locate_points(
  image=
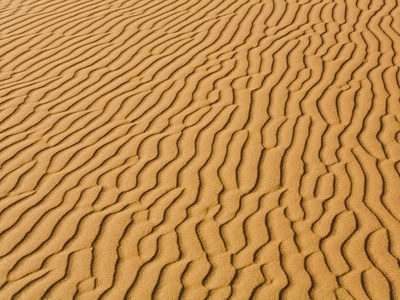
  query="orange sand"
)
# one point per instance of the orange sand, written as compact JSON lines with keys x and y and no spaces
{"x":199,"y":149}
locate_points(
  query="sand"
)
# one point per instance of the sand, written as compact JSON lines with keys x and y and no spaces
{"x":199,"y":149}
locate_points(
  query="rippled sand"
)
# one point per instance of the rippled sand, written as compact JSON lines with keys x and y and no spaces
{"x":199,"y":149}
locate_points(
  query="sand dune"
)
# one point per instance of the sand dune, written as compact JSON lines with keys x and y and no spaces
{"x":199,"y":149}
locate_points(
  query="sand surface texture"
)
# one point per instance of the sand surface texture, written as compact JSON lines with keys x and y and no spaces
{"x":199,"y":149}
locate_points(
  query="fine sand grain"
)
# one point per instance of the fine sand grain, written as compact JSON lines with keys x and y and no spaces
{"x":199,"y":149}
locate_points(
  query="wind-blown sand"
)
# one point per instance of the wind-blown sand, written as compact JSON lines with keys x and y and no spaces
{"x":199,"y":149}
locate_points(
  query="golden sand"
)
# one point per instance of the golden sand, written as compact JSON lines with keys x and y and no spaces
{"x":199,"y":149}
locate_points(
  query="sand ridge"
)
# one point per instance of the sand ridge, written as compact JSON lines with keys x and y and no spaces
{"x":198,"y":149}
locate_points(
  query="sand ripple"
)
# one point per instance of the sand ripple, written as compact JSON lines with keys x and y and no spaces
{"x":198,"y":149}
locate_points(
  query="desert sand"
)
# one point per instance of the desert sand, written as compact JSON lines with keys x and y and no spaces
{"x":199,"y":149}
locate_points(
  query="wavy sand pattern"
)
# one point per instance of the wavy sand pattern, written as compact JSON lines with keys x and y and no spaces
{"x":199,"y":149}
